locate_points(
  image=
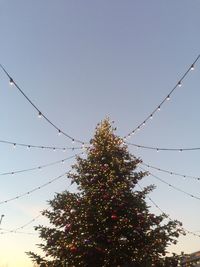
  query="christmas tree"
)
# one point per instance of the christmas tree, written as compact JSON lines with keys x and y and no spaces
{"x":107,"y":222}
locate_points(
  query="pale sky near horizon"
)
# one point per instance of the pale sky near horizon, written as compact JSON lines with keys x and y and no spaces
{"x":80,"y":61}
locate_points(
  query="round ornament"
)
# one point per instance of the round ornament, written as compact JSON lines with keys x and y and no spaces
{"x":114,"y":217}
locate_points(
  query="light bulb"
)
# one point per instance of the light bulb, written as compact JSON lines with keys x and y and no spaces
{"x":168,"y":97}
{"x":151,"y":116}
{"x":192,"y":67}
{"x":59,"y":132}
{"x":14,"y":145}
{"x":11,"y":82}
{"x":39,"y":115}
{"x":179,"y":84}
{"x":159,"y":108}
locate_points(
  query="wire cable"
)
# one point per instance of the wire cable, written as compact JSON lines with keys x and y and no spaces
{"x":16,"y":230}
{"x":177,"y":85}
{"x":33,"y":190}
{"x":172,"y":186}
{"x":28,"y":146}
{"x":167,"y":216}
{"x":171,"y":172}
{"x":40,"y":167}
{"x":12,"y":82}
{"x":164,"y":149}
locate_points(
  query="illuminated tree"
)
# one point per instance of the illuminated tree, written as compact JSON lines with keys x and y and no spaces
{"x":107,"y":222}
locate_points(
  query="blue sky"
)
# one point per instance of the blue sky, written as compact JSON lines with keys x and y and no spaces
{"x":80,"y":61}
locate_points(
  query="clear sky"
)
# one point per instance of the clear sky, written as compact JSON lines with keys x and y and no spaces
{"x":80,"y":61}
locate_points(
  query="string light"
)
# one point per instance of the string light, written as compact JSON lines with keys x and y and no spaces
{"x":35,"y":107}
{"x":192,"y":67}
{"x":169,"y":94}
{"x":39,"y":115}
{"x":28,"y":146}
{"x":39,"y":187}
{"x":13,"y":232}
{"x":33,"y":190}
{"x":11,"y":81}
{"x":138,"y":128}
{"x":167,"y":216}
{"x":179,"y":83}
{"x":16,"y":230}
{"x":164,"y":149}
{"x":39,"y":167}
{"x":172,"y":186}
{"x":171,"y":172}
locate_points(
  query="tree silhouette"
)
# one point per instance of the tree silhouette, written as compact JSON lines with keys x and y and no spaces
{"x":107,"y":222}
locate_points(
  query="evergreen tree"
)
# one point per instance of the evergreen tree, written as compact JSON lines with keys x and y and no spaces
{"x":107,"y":222}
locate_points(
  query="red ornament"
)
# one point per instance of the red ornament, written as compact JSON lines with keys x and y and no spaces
{"x":73,"y":249}
{"x":114,"y":217}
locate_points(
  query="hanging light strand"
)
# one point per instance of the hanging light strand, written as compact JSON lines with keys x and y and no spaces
{"x":172,"y":186}
{"x":150,"y":116}
{"x":167,"y":216}
{"x":34,"y":189}
{"x":28,"y":223}
{"x":16,"y":230}
{"x":164,"y":149}
{"x":40,"y":114}
{"x":170,"y":172}
{"x":38,"y":146}
{"x":40,"y":166}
